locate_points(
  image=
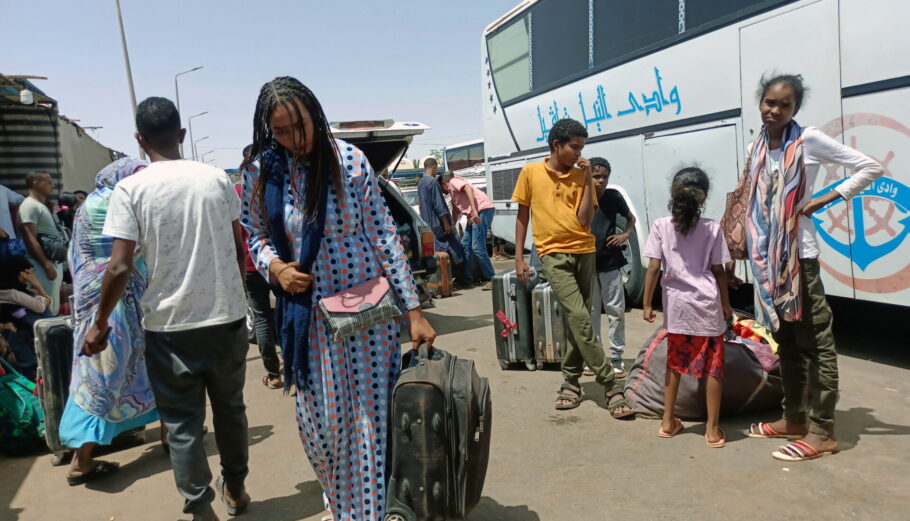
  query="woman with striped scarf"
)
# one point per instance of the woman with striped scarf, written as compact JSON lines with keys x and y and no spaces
{"x":789,"y":297}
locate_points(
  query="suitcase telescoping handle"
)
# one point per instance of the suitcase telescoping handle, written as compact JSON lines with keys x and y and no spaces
{"x":71,"y":318}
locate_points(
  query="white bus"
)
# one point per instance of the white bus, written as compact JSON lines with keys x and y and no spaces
{"x":664,"y":83}
{"x":464,"y":159}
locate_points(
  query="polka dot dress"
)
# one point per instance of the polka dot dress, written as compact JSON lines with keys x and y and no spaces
{"x":342,"y":413}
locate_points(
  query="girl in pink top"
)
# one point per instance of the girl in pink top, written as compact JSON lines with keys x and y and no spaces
{"x":692,"y":251}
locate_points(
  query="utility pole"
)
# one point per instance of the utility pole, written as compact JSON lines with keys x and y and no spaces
{"x":129,"y":70}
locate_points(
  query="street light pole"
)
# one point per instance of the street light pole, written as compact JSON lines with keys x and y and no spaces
{"x":196,"y":149}
{"x":129,"y":70}
{"x":177,"y":93}
{"x":190,"y":120}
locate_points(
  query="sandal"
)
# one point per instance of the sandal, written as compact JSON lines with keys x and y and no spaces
{"x":800,"y":451}
{"x":764,"y":430}
{"x":719,"y":444}
{"x":677,"y":426}
{"x":101,"y":469}
{"x":615,"y":402}
{"x":570,"y":394}
{"x":272,"y":383}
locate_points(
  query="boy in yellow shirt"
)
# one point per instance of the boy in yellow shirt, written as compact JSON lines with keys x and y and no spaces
{"x":562,"y":197}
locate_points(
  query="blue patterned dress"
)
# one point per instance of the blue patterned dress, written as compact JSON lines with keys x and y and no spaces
{"x":342,"y":412}
{"x":109,"y":393}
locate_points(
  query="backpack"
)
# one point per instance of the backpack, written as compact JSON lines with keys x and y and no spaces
{"x":21,"y":417}
{"x":440,"y":438}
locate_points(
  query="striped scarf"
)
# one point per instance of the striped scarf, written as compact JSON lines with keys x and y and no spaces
{"x":773,"y":228}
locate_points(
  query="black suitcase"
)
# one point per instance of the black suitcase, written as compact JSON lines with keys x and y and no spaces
{"x":54,"y":348}
{"x":512,"y":319}
{"x":440,"y":438}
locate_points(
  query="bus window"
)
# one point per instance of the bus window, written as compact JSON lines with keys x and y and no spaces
{"x":509,"y":51}
{"x":700,"y":13}
{"x":462,"y":157}
{"x":560,"y":40}
{"x":622,"y":27}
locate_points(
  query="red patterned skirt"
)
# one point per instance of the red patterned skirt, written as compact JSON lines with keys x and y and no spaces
{"x":698,"y":356}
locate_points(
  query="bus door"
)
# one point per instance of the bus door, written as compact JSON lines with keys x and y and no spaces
{"x":770,"y":46}
{"x":713,"y":149}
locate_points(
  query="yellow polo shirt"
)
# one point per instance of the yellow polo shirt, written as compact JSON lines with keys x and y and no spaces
{"x":554,"y":199}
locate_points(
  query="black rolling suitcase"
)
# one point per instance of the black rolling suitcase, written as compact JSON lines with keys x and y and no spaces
{"x":440,"y":438}
{"x":54,"y":347}
{"x":512,"y":319}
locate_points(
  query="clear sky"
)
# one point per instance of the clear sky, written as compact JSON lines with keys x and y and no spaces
{"x":410,"y":60}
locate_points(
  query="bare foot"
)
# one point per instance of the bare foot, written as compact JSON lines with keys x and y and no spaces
{"x":714,"y":434}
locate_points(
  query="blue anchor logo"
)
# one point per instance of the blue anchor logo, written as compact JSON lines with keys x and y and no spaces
{"x":860,"y":250}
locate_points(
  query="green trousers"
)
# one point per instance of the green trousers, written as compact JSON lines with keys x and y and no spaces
{"x":571,"y":276}
{"x":808,"y":360}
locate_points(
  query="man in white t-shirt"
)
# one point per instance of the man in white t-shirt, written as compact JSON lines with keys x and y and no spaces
{"x":185,"y":216}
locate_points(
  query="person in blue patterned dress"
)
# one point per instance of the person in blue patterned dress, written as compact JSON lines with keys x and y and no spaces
{"x":318,"y":225}
{"x":109,"y":393}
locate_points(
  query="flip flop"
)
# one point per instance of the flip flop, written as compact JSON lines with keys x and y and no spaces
{"x":800,"y":451}
{"x":677,"y":426}
{"x":101,"y":469}
{"x":719,"y":444}
{"x":763,"y":430}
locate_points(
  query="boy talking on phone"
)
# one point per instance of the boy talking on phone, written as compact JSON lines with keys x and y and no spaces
{"x":561,"y":193}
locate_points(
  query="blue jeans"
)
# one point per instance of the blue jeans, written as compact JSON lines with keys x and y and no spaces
{"x":474,"y":242}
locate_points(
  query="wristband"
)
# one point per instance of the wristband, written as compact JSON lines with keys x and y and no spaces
{"x":286,"y":266}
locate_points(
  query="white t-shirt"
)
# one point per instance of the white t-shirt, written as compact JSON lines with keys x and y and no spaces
{"x":820,"y":149}
{"x":180,"y":213}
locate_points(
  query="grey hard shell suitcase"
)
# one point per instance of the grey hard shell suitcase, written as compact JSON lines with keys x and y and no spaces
{"x":54,"y":348}
{"x":440,"y":438}
{"x":549,"y":326}
{"x":512,"y":322}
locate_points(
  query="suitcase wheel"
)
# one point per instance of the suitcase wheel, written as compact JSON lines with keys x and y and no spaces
{"x":531,"y":365}
{"x":395,"y":517}
{"x":503,"y":364}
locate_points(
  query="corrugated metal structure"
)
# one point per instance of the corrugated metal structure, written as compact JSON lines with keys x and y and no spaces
{"x":28,"y":134}
{"x":37,"y":138}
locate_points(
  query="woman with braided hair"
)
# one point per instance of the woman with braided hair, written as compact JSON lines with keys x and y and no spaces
{"x":318,"y":225}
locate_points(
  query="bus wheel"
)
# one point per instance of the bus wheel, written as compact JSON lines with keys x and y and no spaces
{"x":633,"y":273}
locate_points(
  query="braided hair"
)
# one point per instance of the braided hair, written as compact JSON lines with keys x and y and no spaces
{"x":285,"y":92}
{"x":687,"y":198}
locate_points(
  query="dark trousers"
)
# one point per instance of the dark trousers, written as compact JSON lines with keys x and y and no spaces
{"x":182,"y":366}
{"x":258,"y":295}
{"x":808,"y":359}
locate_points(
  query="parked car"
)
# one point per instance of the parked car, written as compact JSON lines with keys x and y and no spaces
{"x":385,"y":142}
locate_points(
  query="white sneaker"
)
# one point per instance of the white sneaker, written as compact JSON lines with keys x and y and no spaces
{"x":619,"y":369}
